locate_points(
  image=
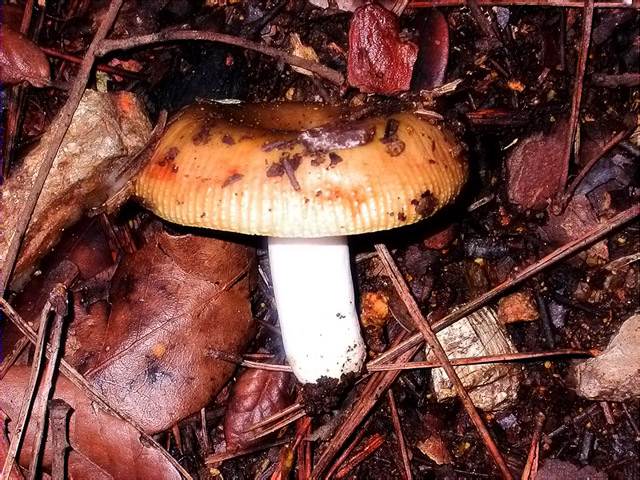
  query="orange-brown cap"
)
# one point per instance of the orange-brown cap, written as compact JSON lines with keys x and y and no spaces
{"x":273,"y":170}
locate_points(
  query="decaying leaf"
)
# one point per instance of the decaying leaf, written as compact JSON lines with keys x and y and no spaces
{"x":105,"y":446}
{"x":434,"y":50}
{"x":534,"y":168}
{"x":107,"y":129}
{"x":143,"y":337}
{"x":21,"y":60}
{"x":256,"y":395}
{"x":379,"y":60}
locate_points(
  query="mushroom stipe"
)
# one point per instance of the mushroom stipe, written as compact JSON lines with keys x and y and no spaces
{"x":304,"y":176}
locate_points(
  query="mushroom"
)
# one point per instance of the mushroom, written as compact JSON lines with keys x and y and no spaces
{"x":306,"y":178}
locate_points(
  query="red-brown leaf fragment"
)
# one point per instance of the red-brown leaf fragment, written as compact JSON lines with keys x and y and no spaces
{"x":379,"y":61}
{"x":21,"y":60}
{"x":534,"y":168}
{"x":257,"y":395}
{"x":105,"y":447}
{"x":434,"y":50}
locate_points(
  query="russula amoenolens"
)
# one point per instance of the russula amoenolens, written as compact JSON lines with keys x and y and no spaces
{"x":306,"y":178}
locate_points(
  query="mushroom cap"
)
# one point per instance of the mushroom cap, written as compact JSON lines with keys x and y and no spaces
{"x":273,"y":170}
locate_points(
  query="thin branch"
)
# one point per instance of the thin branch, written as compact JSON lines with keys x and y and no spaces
{"x":41,"y":409}
{"x":432,"y":340}
{"x":59,"y":129}
{"x":59,"y":414}
{"x":505,"y":357}
{"x":615,"y":80}
{"x":511,"y":3}
{"x":574,"y":120}
{"x":530,"y":470}
{"x":286,"y":412}
{"x":165,"y":36}
{"x":10,"y":359}
{"x":83,"y":384}
{"x":587,"y":168}
{"x":32,"y":388}
{"x":397,"y":427}
{"x":103,"y":68}
{"x":216,"y":458}
{"x":547,"y":261}
{"x":350,"y":448}
{"x":378,"y":383}
{"x":373,"y":443}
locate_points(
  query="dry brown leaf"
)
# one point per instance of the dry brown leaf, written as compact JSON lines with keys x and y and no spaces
{"x":143,"y":338}
{"x":256,"y":395}
{"x":105,"y":446}
{"x":21,"y":60}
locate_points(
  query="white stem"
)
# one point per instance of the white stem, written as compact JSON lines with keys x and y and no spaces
{"x":316,"y":307}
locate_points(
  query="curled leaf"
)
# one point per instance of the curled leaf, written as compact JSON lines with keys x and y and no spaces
{"x":256,"y":395}
{"x":21,"y":60}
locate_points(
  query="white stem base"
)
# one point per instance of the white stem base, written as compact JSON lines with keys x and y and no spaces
{"x":316,"y":307}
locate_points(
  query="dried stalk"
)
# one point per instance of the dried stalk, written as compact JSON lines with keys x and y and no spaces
{"x":504,"y":357}
{"x":165,"y":36}
{"x":397,"y":427}
{"x":554,"y":257}
{"x":587,"y":22}
{"x":59,"y":413}
{"x":432,"y":340}
{"x":56,"y":345}
{"x":32,"y":388}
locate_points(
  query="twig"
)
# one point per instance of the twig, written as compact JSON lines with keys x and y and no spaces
{"x":347,"y":451}
{"x":592,"y":161}
{"x":505,"y":357}
{"x":60,"y":127}
{"x":60,"y":308}
{"x":511,"y":3}
{"x":574,"y":421}
{"x":164,"y":36}
{"x":205,"y":431}
{"x":16,"y":473}
{"x":59,"y":413}
{"x":238,"y":360}
{"x":378,"y":383}
{"x":485,"y":25}
{"x":83,"y":384}
{"x":103,"y":68}
{"x":373,"y":443}
{"x":30,"y":391}
{"x":397,"y":427}
{"x":552,"y":258}
{"x":432,"y":340}
{"x":530,"y":470}
{"x":615,"y":81}
{"x":545,"y":320}
{"x":587,"y":21}
{"x":277,"y":425}
{"x":240,"y":452}
{"x":10,"y":359}
{"x":286,"y":412}
{"x":303,"y":451}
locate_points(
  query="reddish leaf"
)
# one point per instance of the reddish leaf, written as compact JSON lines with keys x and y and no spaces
{"x":105,"y":446}
{"x":21,"y":60}
{"x":434,"y":50}
{"x":379,"y":61}
{"x":145,"y":344}
{"x":534,"y":168}
{"x":256,"y":395}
